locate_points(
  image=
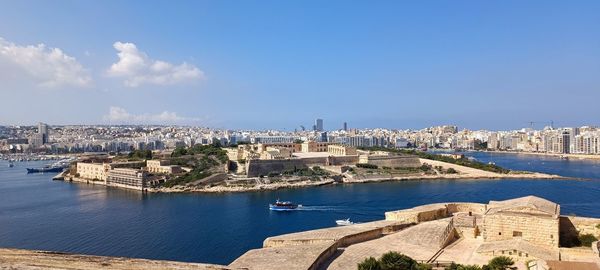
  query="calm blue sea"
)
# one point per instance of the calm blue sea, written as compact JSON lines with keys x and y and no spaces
{"x":38,"y":213}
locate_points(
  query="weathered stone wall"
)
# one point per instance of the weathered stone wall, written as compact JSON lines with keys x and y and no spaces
{"x":257,"y":167}
{"x":394,"y":161}
{"x":542,"y":231}
{"x":475,"y":208}
{"x":571,"y":227}
{"x":419,"y":214}
{"x":343,"y":160}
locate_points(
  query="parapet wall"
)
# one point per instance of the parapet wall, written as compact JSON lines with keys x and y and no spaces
{"x":571,"y":227}
{"x":258,"y":167}
{"x":394,"y":161}
{"x":434,"y":211}
{"x":475,"y":208}
{"x":419,"y":214}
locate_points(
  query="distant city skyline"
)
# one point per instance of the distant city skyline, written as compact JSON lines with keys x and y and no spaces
{"x":280,"y":65}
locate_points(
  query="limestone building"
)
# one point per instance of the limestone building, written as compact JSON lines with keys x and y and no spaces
{"x":162,"y":166}
{"x":341,"y":150}
{"x":314,"y":146}
{"x":530,"y":218}
{"x":127,"y":178}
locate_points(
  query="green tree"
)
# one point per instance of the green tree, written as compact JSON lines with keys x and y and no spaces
{"x":500,"y":263}
{"x":396,"y":261}
{"x":586,"y":240}
{"x":369,"y":264}
{"x":455,"y":266}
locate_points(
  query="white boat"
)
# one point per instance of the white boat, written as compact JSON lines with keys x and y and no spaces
{"x":344,"y":222}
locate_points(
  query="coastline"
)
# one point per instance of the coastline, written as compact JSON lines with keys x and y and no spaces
{"x":465,"y":173}
{"x":574,"y":156}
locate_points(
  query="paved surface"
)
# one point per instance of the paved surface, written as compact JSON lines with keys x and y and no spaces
{"x":420,"y":242}
{"x":326,"y":234}
{"x":299,"y":257}
{"x":38,"y":260}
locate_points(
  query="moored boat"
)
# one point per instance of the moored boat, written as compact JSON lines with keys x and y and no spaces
{"x":344,"y":222}
{"x":45,"y":169}
{"x":283,"y":206}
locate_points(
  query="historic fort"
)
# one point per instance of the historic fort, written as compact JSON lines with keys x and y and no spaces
{"x":530,"y":229}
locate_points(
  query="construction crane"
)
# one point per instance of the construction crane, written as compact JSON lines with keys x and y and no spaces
{"x":531,"y":123}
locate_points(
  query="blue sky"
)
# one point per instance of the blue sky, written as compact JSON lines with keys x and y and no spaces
{"x":281,"y":64}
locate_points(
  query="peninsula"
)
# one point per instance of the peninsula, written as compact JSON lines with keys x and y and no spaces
{"x":269,"y":166}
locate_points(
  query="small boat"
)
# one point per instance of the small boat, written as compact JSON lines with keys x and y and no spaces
{"x":45,"y":169}
{"x":10,"y":165}
{"x":344,"y":222}
{"x":283,"y":206}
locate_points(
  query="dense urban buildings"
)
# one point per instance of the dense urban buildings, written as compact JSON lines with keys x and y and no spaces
{"x":77,"y":139}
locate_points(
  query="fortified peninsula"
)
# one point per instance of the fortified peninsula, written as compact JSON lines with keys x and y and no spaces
{"x":267,"y":166}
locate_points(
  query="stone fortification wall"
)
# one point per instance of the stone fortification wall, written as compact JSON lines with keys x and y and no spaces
{"x":419,"y":214}
{"x":571,"y":227}
{"x":434,"y":211}
{"x":539,"y":230}
{"x":475,"y":208}
{"x":257,"y":167}
{"x":343,"y":160}
{"x":394,"y":161}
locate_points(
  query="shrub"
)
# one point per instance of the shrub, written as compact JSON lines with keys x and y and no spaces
{"x":366,"y":166}
{"x":425,"y":167}
{"x":587,"y":239}
{"x":455,"y":266}
{"x":369,"y":264}
{"x":422,"y":266}
{"x":451,"y":170}
{"x":598,"y":226}
{"x":500,"y":263}
{"x":396,"y":261}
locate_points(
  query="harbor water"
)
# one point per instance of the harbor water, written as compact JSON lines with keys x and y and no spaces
{"x":38,"y":213}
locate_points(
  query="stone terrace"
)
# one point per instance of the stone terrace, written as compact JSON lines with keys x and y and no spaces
{"x":420,"y":242}
{"x":310,"y":249}
{"x":44,"y":260}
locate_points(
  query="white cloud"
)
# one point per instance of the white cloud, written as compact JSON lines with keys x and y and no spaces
{"x":137,"y":68}
{"x":122,"y":116}
{"x":49,"y":67}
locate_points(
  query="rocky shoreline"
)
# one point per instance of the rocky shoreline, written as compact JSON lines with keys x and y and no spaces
{"x":465,"y":173}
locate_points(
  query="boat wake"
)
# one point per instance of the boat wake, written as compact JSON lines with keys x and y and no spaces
{"x":317,"y":208}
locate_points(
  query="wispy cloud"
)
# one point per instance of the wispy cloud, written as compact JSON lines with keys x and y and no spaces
{"x":138,"y":69}
{"x":49,"y":67}
{"x":121,"y":116}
